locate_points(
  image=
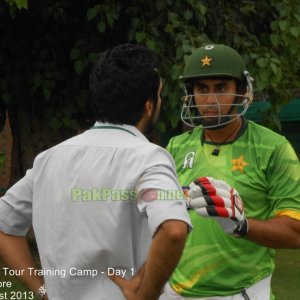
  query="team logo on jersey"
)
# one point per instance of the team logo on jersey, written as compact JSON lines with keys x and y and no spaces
{"x":189,"y":160}
{"x":238,"y":164}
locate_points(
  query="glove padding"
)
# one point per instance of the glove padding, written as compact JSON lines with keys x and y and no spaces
{"x":215,"y":198}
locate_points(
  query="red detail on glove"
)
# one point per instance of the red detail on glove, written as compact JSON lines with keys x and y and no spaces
{"x":215,"y":200}
{"x":222,"y":212}
{"x":207,"y":187}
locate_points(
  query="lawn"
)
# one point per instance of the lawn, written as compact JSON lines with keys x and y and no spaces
{"x":285,"y":283}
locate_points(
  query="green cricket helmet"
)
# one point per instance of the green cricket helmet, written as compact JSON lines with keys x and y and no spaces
{"x":215,"y":61}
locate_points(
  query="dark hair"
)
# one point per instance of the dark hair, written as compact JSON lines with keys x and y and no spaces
{"x":123,"y":79}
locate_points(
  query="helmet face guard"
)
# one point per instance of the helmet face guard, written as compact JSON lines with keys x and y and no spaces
{"x":191,"y":116}
{"x":209,"y":62}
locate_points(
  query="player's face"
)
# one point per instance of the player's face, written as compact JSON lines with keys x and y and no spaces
{"x":214,"y":98}
{"x":157,"y":107}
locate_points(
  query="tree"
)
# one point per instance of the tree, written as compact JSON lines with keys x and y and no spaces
{"x":48,"y":47}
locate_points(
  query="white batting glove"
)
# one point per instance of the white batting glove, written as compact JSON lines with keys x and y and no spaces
{"x":215,"y":198}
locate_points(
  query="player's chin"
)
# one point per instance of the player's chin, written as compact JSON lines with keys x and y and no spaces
{"x":210,"y":121}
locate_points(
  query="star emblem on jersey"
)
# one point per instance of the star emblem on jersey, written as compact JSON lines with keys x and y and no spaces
{"x":206,"y":61}
{"x":238,"y":164}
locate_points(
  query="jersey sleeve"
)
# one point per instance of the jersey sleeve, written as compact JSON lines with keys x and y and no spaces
{"x":159,"y":193}
{"x":284,"y":181}
{"x":16,"y":207}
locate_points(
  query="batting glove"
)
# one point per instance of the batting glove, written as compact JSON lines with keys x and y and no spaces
{"x":215,"y":198}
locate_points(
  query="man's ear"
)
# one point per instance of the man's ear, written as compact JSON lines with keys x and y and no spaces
{"x":149,"y":108}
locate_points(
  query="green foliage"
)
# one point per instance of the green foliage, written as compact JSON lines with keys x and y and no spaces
{"x":18,"y":3}
{"x":15,"y":5}
{"x":47,"y":50}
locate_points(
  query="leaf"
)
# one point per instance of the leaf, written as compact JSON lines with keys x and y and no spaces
{"x":174,"y":119}
{"x":93,"y":57}
{"x":279,"y":75}
{"x":175,"y":72}
{"x":21,"y":4}
{"x":173,"y":100}
{"x":101,"y":26}
{"x":264,"y":74}
{"x":74,"y":53}
{"x":297,"y":17}
{"x":273,"y":67}
{"x":294,"y":47}
{"x":295,"y":31}
{"x":188,"y":15}
{"x":169,"y":28}
{"x":116,"y":12}
{"x":275,"y":39}
{"x":262,"y":62}
{"x":160,"y":126}
{"x":284,"y":25}
{"x":66,"y":121}
{"x":179,"y":53}
{"x":55,"y":123}
{"x":140,"y":36}
{"x":110,"y":19}
{"x":202,"y":9}
{"x":275,"y":60}
{"x":186,"y":48}
{"x":93,"y":12}
{"x":260,"y":85}
{"x":78,"y":66}
{"x":274,"y":25}
{"x":150,"y":43}
{"x":46,"y":92}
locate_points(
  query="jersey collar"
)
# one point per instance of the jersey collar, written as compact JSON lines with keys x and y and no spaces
{"x":240,"y":133}
{"x":132,"y":130}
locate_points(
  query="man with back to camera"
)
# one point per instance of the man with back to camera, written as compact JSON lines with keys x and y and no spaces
{"x":236,"y":162}
{"x":92,"y":200}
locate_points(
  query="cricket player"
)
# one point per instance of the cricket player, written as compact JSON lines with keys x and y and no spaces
{"x":242,"y":181}
{"x":95,"y":200}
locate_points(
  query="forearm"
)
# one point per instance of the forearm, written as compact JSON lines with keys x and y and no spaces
{"x":16,"y":255}
{"x":163,"y":257}
{"x":279,"y":232}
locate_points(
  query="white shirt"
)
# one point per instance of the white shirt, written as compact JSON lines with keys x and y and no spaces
{"x":81,"y":197}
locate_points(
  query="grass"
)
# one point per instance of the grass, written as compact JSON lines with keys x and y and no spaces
{"x":285,"y":282}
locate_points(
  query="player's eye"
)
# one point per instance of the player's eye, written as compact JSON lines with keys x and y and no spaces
{"x":200,"y":89}
{"x":221,"y":89}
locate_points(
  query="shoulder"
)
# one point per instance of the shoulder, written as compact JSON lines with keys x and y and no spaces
{"x":269,"y":144}
{"x":264,"y":135}
{"x":154,"y":154}
{"x":60,"y":147}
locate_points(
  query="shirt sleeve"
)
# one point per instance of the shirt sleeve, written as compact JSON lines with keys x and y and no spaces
{"x":16,"y":207}
{"x":159,"y":193}
{"x":284,"y":180}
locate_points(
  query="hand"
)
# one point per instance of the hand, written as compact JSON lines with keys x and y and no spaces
{"x":215,"y":198}
{"x":130,"y":288}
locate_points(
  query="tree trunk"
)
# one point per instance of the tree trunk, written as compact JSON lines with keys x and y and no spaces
{"x":30,"y":137}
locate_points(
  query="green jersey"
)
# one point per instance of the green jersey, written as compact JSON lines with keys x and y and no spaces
{"x":263,"y":167}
